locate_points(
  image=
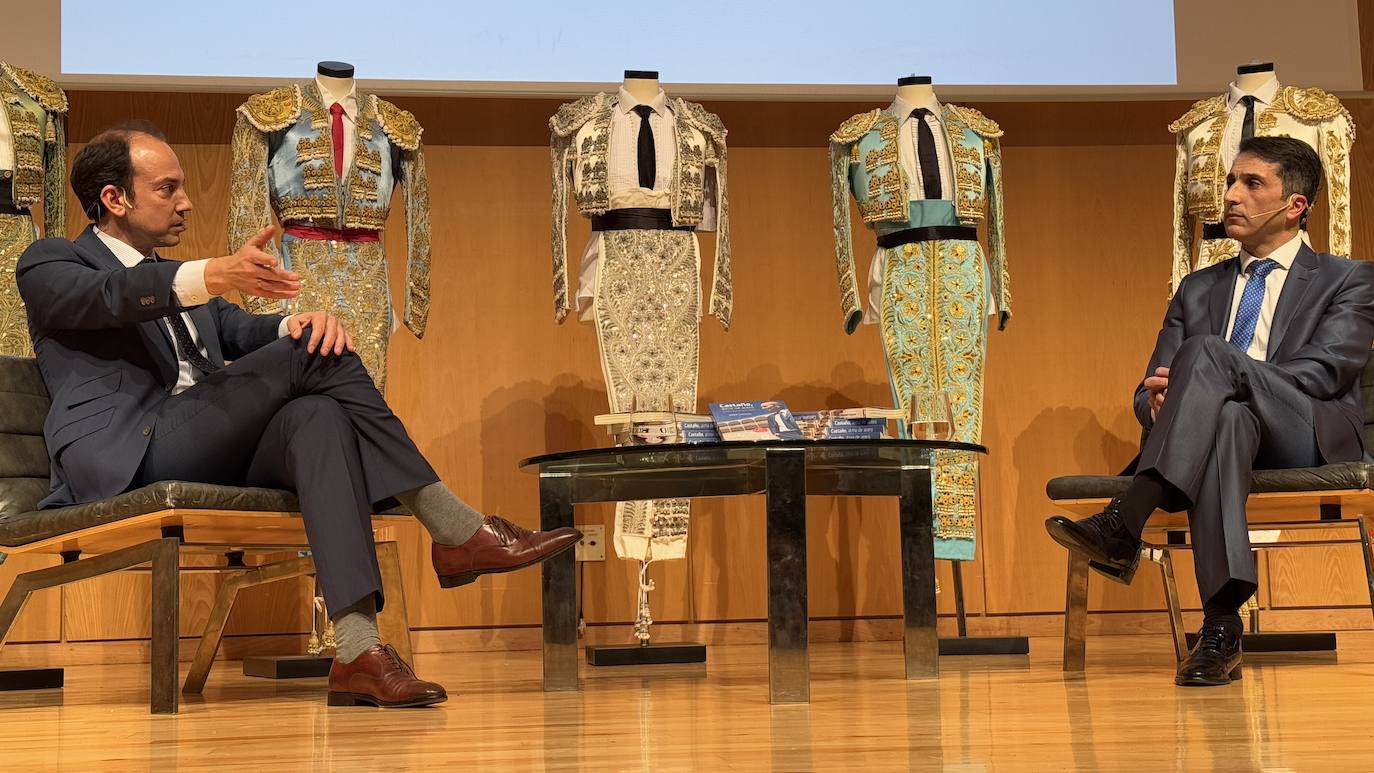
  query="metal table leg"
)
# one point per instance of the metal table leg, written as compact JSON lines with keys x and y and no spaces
{"x":921,"y":642}
{"x":559,"y":588}
{"x":788,"y":662}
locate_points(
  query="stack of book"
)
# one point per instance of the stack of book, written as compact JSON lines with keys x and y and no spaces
{"x":655,"y":428}
{"x":751,"y":420}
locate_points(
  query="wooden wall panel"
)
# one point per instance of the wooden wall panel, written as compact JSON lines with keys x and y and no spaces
{"x":41,"y":619}
{"x":495,"y":380}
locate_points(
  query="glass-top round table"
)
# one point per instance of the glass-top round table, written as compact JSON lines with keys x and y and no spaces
{"x":785,"y":472}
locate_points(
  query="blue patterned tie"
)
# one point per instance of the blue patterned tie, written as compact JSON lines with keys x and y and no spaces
{"x":1251,"y":300}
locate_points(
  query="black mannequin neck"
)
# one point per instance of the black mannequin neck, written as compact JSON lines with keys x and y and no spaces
{"x":335,"y":69}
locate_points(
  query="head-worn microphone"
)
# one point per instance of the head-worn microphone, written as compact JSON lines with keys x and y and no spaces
{"x":1286,"y":204}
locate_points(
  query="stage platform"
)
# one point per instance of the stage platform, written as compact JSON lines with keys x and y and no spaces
{"x":1006,"y":713}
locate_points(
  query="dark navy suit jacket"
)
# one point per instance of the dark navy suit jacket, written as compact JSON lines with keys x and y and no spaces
{"x":1319,"y":339}
{"x":107,"y":359}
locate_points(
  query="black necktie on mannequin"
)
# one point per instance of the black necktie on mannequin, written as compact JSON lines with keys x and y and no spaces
{"x":189,"y":351}
{"x":1247,"y":128}
{"x":925,"y":151}
{"x":648,"y":154}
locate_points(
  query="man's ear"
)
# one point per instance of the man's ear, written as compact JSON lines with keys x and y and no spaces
{"x":112,"y":201}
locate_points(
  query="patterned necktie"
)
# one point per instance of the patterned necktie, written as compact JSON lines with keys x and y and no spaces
{"x":1251,"y":301}
{"x":336,"y":133}
{"x":187,"y":347}
{"x":648,"y":154}
{"x":1247,"y":127}
{"x":925,"y":152}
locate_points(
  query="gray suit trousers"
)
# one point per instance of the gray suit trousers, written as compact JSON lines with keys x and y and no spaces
{"x":1224,"y":416}
{"x":284,"y":418}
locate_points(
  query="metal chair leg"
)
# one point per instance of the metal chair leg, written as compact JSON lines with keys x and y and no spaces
{"x":1365,"y":552}
{"x":1076,"y":613}
{"x":1166,"y":566}
{"x":213,"y":634}
{"x":393,"y":620}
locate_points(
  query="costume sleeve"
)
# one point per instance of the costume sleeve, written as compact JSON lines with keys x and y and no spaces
{"x":561,"y":156}
{"x":55,"y":177}
{"x":415,"y":184}
{"x":844,"y":238}
{"x":997,"y":247}
{"x":1336,"y":138}
{"x":1183,"y":222}
{"x":722,"y":287}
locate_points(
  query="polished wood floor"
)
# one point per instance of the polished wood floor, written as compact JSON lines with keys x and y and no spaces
{"x":982,"y":714}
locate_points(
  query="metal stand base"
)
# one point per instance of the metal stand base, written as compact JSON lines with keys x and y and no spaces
{"x":985,"y":645}
{"x":31,"y":679}
{"x":1282,"y":641}
{"x":977,"y":645}
{"x":287,"y":666}
{"x":646,"y":655}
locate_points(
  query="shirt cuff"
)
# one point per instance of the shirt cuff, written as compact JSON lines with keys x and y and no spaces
{"x":189,"y":284}
{"x":282,"y":329}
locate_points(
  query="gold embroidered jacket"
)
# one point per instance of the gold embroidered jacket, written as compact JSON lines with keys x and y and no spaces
{"x":579,"y":145}
{"x":283,"y":161}
{"x":863,"y":160}
{"x":36,"y":108}
{"x":1307,"y":114}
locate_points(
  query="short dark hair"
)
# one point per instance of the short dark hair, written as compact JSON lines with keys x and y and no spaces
{"x":105,"y":161}
{"x":1299,"y":167}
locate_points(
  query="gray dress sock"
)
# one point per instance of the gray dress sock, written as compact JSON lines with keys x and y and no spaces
{"x":355,"y":630}
{"x":449,"y":520}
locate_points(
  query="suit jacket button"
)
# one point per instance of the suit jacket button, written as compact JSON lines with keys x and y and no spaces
{"x":147,"y":431}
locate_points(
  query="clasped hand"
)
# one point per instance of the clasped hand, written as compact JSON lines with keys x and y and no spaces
{"x":1157,"y":385}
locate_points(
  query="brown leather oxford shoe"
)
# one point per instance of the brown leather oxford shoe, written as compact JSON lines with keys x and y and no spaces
{"x":499,"y":546}
{"x":380,"y":677}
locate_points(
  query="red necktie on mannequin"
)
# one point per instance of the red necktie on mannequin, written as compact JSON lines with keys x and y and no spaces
{"x":336,"y":130}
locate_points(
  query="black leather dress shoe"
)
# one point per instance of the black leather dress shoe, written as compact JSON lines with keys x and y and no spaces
{"x":1110,"y":547}
{"x":1214,"y":661}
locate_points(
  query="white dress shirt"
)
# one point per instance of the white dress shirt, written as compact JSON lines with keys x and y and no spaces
{"x":622,"y":180}
{"x":910,"y":161}
{"x":1273,"y":285}
{"x":189,"y":287}
{"x":1235,"y":116}
{"x":622,"y":177}
{"x":350,"y":119}
{"x":907,"y":155}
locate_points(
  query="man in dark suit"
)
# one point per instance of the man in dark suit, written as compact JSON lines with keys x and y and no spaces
{"x":1257,"y":367}
{"x":133,"y":348}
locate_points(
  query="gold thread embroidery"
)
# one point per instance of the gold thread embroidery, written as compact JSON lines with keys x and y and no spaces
{"x":317,"y":148}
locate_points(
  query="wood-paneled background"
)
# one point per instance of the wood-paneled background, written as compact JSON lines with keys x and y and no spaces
{"x":1088,"y":191}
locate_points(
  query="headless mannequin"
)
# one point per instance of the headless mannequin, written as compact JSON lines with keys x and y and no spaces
{"x":1250,"y":77}
{"x":643,"y":85}
{"x":915,"y":90}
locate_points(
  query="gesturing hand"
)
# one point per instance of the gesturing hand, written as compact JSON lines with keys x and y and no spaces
{"x":1157,"y":385}
{"x":252,"y":271}
{"x":326,"y":332}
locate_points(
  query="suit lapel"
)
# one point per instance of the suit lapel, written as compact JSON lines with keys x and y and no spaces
{"x":155,"y":336}
{"x":1219,"y":298}
{"x":1290,"y":299}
